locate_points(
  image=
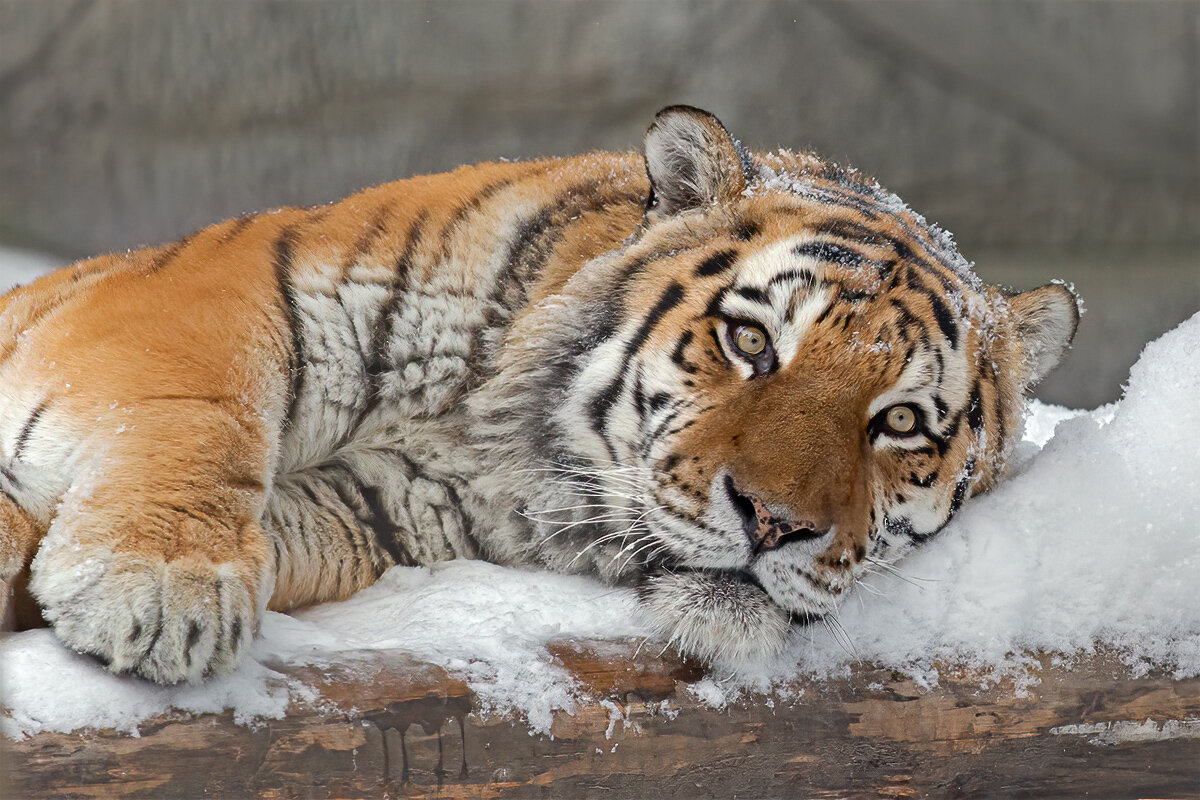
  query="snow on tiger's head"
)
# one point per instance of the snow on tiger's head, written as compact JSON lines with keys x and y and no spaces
{"x":785,"y":375}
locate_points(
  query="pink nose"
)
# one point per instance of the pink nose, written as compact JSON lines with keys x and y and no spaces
{"x":765,"y":530}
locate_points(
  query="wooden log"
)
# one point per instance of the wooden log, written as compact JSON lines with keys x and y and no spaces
{"x":381,"y":725}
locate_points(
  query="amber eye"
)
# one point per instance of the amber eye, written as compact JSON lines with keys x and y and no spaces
{"x":750,"y":340}
{"x":901,"y":419}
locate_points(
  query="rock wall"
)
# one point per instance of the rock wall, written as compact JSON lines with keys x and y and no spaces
{"x":130,"y":121}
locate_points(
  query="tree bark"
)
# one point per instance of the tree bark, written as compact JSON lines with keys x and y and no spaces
{"x":385,"y":726}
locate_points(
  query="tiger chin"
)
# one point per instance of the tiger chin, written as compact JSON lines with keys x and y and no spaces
{"x":731,"y":380}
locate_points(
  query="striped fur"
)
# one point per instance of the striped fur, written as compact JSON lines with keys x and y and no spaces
{"x":532,"y":362}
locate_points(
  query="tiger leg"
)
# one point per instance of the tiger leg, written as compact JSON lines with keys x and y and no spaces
{"x":155,"y":562}
{"x":337,"y":526}
{"x":19,"y":536}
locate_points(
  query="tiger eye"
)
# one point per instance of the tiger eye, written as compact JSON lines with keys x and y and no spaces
{"x":750,"y":340}
{"x":901,"y":419}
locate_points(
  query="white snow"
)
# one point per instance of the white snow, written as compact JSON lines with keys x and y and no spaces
{"x":1093,"y":543}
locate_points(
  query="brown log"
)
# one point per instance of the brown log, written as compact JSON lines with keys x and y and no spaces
{"x":385,"y":726}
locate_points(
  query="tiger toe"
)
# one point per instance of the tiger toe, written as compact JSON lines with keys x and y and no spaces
{"x":167,"y":621}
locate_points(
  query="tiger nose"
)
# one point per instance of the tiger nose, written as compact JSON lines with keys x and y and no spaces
{"x":765,"y":530}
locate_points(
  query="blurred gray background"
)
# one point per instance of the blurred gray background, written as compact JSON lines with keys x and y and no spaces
{"x":1054,"y":139}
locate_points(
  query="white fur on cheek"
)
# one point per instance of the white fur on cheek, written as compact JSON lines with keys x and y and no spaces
{"x":718,"y":618}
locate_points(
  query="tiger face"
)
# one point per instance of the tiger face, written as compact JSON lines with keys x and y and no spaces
{"x":785,"y":378}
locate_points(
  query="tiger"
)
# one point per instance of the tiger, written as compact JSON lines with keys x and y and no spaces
{"x":730,"y":381}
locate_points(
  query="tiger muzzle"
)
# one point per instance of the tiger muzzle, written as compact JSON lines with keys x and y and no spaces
{"x":765,"y":530}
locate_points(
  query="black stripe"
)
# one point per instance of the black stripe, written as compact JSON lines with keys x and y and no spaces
{"x":902,"y":527}
{"x":677,"y":354}
{"x":283,"y":253}
{"x":342,"y":480}
{"x":832,"y":253}
{"x":190,"y":513}
{"x":945,"y":320}
{"x":535,"y":239}
{"x":466,"y":209}
{"x":27,"y":429}
{"x":999,"y":400}
{"x":754,"y":294}
{"x":943,"y":442}
{"x":534,"y":243}
{"x":468,"y":529}
{"x":839,"y":197}
{"x":852,"y":295}
{"x":639,"y":396}
{"x":940,"y":406}
{"x":938,"y":271}
{"x":975,"y":410}
{"x":908,"y":320}
{"x":158,"y":631}
{"x":712,"y":332}
{"x":657,"y":400}
{"x":193,"y":638}
{"x":852,"y":231}
{"x":671,"y":297}
{"x":802,"y":275}
{"x":661,"y":428}
{"x":168,"y":255}
{"x":376,"y":227}
{"x":716,"y":263}
{"x":376,"y":361}
{"x":382,"y":525}
{"x":238,"y":227}
{"x":885,"y":268}
{"x":960,"y":489}
{"x":314,"y":214}
{"x":602,"y":326}
{"x":925,"y":482}
{"x":745,"y":230}
{"x":602,"y":402}
{"x":713,"y":309}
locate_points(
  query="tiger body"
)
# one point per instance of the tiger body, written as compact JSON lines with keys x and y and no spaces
{"x":535,"y":363}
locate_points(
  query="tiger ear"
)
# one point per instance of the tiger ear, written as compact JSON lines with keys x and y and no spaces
{"x":1046,"y":320}
{"x":692,"y":161}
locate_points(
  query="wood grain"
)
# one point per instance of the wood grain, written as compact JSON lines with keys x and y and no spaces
{"x":382,"y":725}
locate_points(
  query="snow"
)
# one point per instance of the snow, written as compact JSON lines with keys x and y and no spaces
{"x":1092,"y":544}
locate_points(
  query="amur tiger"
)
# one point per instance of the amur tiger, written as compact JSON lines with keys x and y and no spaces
{"x":731,"y":380}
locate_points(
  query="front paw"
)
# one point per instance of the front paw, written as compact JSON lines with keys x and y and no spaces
{"x":718,"y":617}
{"x":168,"y":621}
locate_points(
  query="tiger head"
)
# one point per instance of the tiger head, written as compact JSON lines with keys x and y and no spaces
{"x":785,"y":377}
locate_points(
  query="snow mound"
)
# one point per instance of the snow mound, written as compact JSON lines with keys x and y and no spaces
{"x":1094,"y":542}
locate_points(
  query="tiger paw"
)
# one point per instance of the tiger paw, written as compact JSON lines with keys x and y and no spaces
{"x":168,"y":621}
{"x":720,"y":618}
